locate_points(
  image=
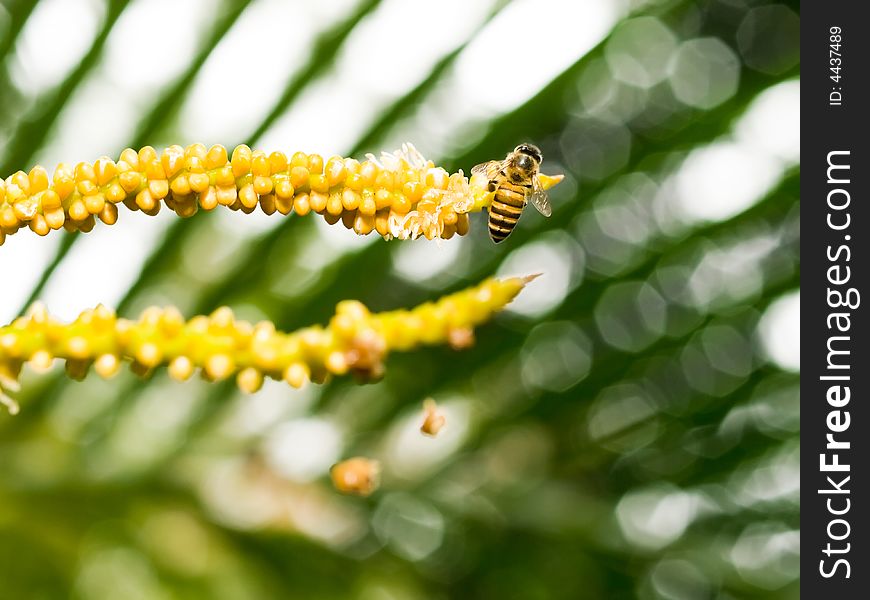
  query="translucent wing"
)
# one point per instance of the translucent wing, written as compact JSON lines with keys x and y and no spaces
{"x":491,"y":169}
{"x":539,"y":198}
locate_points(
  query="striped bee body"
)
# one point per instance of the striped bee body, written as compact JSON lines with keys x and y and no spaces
{"x":506,"y":208}
{"x":515,"y":183}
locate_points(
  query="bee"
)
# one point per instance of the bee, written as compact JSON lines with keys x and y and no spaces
{"x":515,"y":183}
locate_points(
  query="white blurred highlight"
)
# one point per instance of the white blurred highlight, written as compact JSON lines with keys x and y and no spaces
{"x":53,"y":40}
{"x":245,"y":74}
{"x":412,"y":527}
{"x":254,"y":415}
{"x":774,"y":478}
{"x":618,"y":408}
{"x":246,"y":494}
{"x":556,"y":356}
{"x":724,"y":179}
{"x":411,"y":455}
{"x":423,"y":260}
{"x":655,"y":517}
{"x":675,"y":579}
{"x":631,"y":315}
{"x":23,"y":258}
{"x":374,"y":68}
{"x":705,"y":72}
{"x":728,"y":176}
{"x":101,"y":115}
{"x":135,"y":62}
{"x":767,"y":554}
{"x":149,"y":429}
{"x":780,"y":331}
{"x":638,"y":51}
{"x":97,"y":120}
{"x":303,"y":449}
{"x":773,"y":122}
{"x":727,"y":273}
{"x":489,"y":83}
{"x":501,"y":68}
{"x":558,"y":258}
{"x":103,"y":264}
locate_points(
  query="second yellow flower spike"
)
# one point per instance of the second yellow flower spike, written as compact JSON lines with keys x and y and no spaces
{"x":354,"y":341}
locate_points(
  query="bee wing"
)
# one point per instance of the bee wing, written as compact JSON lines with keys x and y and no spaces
{"x":491,"y":168}
{"x":539,"y":198}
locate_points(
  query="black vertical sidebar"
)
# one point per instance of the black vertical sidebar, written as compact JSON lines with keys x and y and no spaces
{"x":835,"y":370}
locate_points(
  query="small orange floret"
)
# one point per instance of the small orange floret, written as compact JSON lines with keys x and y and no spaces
{"x":433,"y":420}
{"x":358,"y":475}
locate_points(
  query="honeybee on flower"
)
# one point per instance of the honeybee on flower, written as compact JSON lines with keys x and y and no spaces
{"x":514,"y":182}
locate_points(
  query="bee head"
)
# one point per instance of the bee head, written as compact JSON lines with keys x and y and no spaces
{"x":530,"y":150}
{"x":527,"y":157}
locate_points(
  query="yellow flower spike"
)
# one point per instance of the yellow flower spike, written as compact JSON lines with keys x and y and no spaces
{"x":399,"y":195}
{"x":355,"y":341}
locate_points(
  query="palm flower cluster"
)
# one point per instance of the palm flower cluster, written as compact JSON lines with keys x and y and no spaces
{"x":355,"y":340}
{"x":400,"y":194}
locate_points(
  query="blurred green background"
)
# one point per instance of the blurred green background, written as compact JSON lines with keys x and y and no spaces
{"x":630,"y":429}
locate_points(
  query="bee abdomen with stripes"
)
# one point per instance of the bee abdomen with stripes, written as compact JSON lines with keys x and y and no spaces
{"x":515,"y":183}
{"x":505,"y":210}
